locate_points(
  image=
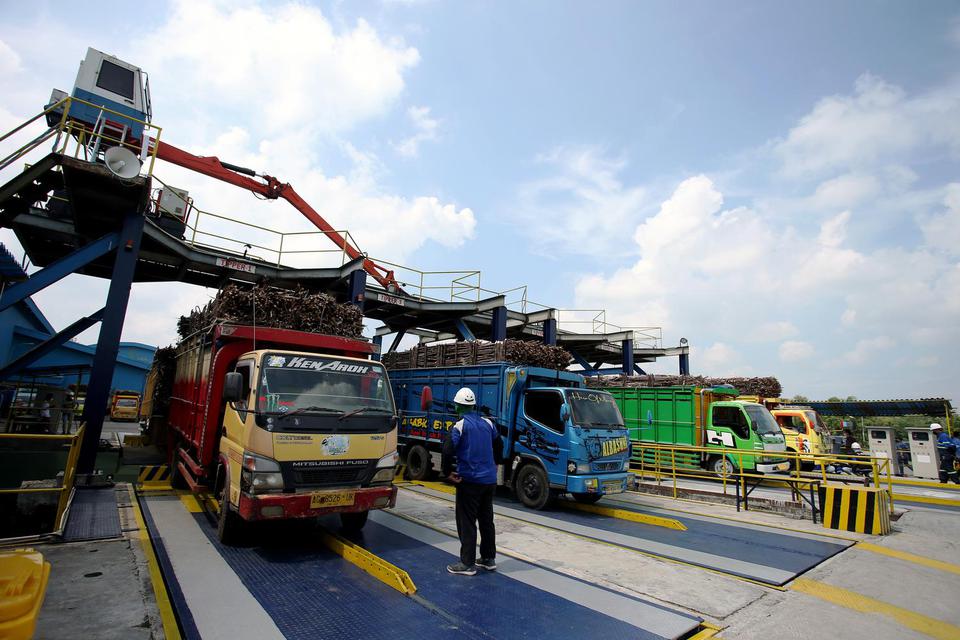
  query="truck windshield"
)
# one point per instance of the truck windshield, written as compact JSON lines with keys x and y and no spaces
{"x":763,"y":422}
{"x":318,"y":385}
{"x":594,"y":409}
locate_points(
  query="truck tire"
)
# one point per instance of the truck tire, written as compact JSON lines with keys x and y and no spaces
{"x":532,"y":487}
{"x":229,"y":524}
{"x":587,"y":498}
{"x":419,"y":465}
{"x":721,"y":465}
{"x":353,"y":522}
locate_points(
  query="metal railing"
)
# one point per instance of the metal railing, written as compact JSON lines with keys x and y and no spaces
{"x":89,"y":141}
{"x":675,"y":462}
{"x":66,"y":490}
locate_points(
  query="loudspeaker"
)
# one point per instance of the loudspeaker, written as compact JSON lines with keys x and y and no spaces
{"x":122,"y":162}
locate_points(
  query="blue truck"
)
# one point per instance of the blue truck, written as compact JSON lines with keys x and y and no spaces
{"x":559,"y":436}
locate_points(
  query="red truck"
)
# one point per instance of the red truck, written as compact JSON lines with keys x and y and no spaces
{"x":283,"y":424}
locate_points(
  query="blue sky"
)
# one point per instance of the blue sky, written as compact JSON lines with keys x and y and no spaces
{"x":776,"y":182}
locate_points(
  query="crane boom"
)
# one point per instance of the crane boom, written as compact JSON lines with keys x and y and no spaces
{"x":270,"y":187}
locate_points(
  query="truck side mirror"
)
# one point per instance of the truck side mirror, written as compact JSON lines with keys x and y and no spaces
{"x":232,"y":387}
{"x":564,"y":412}
{"x":426,"y":399}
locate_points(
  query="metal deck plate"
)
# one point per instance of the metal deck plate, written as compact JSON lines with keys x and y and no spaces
{"x":93,"y":515}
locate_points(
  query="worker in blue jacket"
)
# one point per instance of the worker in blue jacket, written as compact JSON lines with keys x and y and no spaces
{"x":478,"y":449}
{"x":947,"y":448}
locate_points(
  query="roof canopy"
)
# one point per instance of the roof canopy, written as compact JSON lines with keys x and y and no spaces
{"x":889,"y":408}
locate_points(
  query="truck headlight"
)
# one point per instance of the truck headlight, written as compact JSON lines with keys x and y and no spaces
{"x":590,"y":484}
{"x":260,"y":475}
{"x":386,"y":468}
{"x":626,"y":464}
{"x":583,"y":467}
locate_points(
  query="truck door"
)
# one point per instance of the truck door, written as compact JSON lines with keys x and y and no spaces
{"x":541,"y":431}
{"x":729,"y":429}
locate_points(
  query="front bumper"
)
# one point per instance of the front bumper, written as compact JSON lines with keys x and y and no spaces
{"x":773,"y":467}
{"x":281,"y":506}
{"x":605,"y":483}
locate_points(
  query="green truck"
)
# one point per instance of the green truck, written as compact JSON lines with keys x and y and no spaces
{"x":689,"y":416}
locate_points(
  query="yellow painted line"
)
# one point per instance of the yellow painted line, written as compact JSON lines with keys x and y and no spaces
{"x":858,"y":602}
{"x":626,"y":514}
{"x":929,"y":484}
{"x":389,"y":574}
{"x":191,"y":503}
{"x":906,"y":497}
{"x":707,"y":630}
{"x":911,"y":557}
{"x":589,"y":539}
{"x":167,"y":617}
{"x":162,"y":485}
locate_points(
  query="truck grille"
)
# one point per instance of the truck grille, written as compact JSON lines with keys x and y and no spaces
{"x":328,"y":476}
{"x":608,"y":466}
{"x":319,"y":474}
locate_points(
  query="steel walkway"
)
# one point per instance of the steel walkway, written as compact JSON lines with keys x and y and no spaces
{"x":284,"y":583}
{"x":752,"y":552}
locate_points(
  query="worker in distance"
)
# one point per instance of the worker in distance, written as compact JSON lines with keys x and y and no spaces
{"x":476,"y":445}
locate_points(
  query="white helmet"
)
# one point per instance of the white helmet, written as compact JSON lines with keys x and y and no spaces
{"x":856,"y":447}
{"x":934,"y":426}
{"x":465,"y":397}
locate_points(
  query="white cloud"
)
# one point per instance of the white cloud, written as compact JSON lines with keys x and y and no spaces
{"x":867,"y":349}
{"x":795,"y":351}
{"x":943,"y":231}
{"x":583,"y":209}
{"x":719,"y":359}
{"x":879,"y":122}
{"x":285,"y":65}
{"x":426,"y":129}
{"x":774,"y":331}
{"x":849,"y":317}
{"x":845,"y":191}
{"x":9,"y":59}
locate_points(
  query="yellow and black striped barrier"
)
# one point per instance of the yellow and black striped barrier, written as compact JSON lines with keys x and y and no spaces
{"x":154,"y":473}
{"x":860,"y":509}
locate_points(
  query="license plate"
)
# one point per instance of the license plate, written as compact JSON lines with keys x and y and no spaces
{"x":340,"y":499}
{"x":613,"y":487}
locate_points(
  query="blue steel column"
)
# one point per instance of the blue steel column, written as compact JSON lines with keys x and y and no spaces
{"x":378,"y":342}
{"x":108,"y":343}
{"x":627,"y":350}
{"x":356,"y":288}
{"x":550,"y":331}
{"x":498,"y":324}
{"x":684,"y":364}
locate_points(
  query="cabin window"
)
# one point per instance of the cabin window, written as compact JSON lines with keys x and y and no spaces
{"x":116,"y":79}
{"x":544,"y":407}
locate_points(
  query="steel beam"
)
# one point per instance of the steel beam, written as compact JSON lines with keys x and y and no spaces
{"x":498,"y":324}
{"x":378,"y":343}
{"x":396,"y":341}
{"x":464,"y":330}
{"x":56,"y":271}
{"x":45,"y":347}
{"x":580,"y":360}
{"x":639,"y":371}
{"x":550,"y":331}
{"x":684,"y":364}
{"x":356,"y":288}
{"x":627,"y":351}
{"x":108,"y":343}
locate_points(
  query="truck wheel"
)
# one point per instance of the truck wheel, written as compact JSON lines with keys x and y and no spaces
{"x":722,"y":466}
{"x":353,"y":522}
{"x":418,"y":463}
{"x":229,"y":524}
{"x":532,"y":486}
{"x":587,"y":498}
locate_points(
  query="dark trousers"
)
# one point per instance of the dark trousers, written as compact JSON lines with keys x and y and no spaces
{"x":947,"y":471}
{"x":475,"y":503}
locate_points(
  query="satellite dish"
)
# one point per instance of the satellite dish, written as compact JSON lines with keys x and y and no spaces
{"x":122,"y":162}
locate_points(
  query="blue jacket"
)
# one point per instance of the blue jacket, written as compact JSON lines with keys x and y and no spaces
{"x":477,"y":446}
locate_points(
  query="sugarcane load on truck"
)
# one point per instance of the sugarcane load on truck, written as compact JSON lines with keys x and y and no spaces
{"x":278,"y":422}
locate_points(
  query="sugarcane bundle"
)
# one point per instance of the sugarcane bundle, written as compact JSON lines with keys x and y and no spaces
{"x":455,"y":354}
{"x":766,"y":387}
{"x":279,"y":308}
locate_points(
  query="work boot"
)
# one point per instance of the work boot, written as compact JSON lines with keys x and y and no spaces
{"x":489,"y":565}
{"x":461,"y":569}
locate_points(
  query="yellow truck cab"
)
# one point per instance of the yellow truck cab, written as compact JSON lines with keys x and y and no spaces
{"x":803,"y":430}
{"x":125,"y":406}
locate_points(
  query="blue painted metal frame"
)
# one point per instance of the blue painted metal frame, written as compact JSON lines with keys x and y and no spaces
{"x":627,"y":351}
{"x":550,"y":331}
{"x":108,"y":343}
{"x":639,"y":371}
{"x":59,"y":269}
{"x":684,"y":364}
{"x":580,"y":360}
{"x":357,"y":284}
{"x":464,"y":330}
{"x":498,"y":324}
{"x":396,"y":340}
{"x":45,"y":347}
{"x":378,"y":342}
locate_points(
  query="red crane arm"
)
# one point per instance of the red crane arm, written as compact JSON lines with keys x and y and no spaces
{"x":270,"y":187}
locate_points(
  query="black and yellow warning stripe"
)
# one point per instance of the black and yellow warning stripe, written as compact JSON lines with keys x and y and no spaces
{"x":860,"y":509}
{"x":154,"y":473}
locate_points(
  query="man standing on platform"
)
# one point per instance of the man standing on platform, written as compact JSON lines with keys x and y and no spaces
{"x":478,"y":449}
